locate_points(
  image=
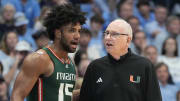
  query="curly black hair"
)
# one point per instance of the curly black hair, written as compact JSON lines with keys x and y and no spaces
{"x":62,"y":15}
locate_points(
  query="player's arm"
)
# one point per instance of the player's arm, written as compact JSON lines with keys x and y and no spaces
{"x":31,"y":69}
{"x":76,"y":91}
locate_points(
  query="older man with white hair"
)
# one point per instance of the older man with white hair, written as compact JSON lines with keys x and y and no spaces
{"x":121,"y":75}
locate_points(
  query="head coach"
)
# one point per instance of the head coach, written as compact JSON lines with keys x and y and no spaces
{"x":121,"y":75}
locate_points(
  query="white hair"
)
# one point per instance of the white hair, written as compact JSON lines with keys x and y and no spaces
{"x":125,"y":24}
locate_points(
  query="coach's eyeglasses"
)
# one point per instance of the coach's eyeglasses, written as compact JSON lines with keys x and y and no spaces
{"x":113,"y":34}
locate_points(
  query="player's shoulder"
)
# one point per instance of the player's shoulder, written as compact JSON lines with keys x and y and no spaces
{"x":36,"y":62}
{"x":37,"y":57}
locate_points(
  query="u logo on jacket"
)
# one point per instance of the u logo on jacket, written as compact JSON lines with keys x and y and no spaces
{"x":137,"y":80}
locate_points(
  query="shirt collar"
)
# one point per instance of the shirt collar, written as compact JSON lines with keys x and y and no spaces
{"x":122,"y":58}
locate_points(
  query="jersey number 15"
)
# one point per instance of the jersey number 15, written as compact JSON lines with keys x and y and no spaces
{"x":64,"y":87}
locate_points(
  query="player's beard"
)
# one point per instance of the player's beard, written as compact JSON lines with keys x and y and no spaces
{"x":64,"y":44}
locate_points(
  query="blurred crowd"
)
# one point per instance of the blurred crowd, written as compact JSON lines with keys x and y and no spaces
{"x":156,"y":35}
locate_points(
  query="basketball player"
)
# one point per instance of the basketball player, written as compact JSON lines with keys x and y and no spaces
{"x":48,"y":74}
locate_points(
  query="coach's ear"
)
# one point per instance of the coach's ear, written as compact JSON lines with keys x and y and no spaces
{"x":129,"y":39}
{"x":57,"y":33}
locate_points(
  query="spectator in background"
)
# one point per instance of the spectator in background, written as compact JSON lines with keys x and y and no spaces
{"x":3,"y":90}
{"x":1,"y":68}
{"x":173,"y":25}
{"x":24,"y":33}
{"x":112,"y":10}
{"x":96,"y":43}
{"x":144,"y":15}
{"x":124,"y":10}
{"x":133,"y":3}
{"x":8,"y":43}
{"x":83,"y":66}
{"x":168,"y":3}
{"x":178,"y":96}
{"x":97,"y":9}
{"x":157,"y":26}
{"x":176,"y":8}
{"x":151,"y":53}
{"x":81,"y":1}
{"x":30,"y":8}
{"x":23,"y":49}
{"x":59,"y":2}
{"x":53,"y":2}
{"x":135,"y":24}
{"x":170,"y":57}
{"x":7,"y":21}
{"x":81,"y":61}
{"x":167,"y":87}
{"x":39,"y":23}
{"x":96,"y":26}
{"x":2,"y":55}
{"x":8,"y":52}
{"x":88,"y":9}
{"x":41,"y":38}
{"x":139,"y":42}
{"x":5,"y":2}
{"x":78,"y":57}
{"x":84,"y":39}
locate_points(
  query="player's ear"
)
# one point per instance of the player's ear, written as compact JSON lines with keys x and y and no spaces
{"x":57,"y":33}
